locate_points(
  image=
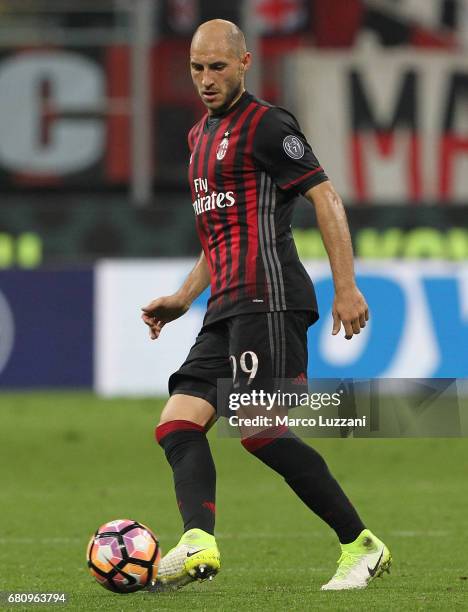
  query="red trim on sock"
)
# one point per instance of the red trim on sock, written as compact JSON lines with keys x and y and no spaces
{"x":166,"y":428}
{"x":263,"y":438}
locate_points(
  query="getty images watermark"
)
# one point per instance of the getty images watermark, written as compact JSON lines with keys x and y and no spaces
{"x":388,"y":408}
{"x":272,"y":406}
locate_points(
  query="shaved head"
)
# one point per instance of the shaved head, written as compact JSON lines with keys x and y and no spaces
{"x":218,"y":62}
{"x":220,"y":32}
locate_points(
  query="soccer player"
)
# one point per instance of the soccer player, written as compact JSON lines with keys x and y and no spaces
{"x":249,"y":162}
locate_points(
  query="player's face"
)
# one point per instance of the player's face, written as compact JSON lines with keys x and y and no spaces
{"x":218,"y":75}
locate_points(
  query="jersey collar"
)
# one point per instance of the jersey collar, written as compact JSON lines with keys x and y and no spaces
{"x":245,"y":98}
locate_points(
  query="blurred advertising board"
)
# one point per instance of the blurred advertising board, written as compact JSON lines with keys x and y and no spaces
{"x":46,"y":328}
{"x":387,"y":126}
{"x":418,"y":326}
{"x":53,"y":122}
{"x":66,"y":116}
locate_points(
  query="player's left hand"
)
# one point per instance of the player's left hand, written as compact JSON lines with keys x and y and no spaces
{"x":350,"y":309}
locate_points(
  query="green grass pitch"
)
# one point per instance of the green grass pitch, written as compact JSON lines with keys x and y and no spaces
{"x":71,"y":461}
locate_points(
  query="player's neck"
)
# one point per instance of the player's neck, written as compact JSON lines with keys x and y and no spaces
{"x":226,"y":109}
{"x":237,"y":98}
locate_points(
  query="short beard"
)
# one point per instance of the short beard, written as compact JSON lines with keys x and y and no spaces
{"x":227,"y":104}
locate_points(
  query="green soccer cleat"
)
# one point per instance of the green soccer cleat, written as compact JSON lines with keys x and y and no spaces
{"x":360,"y":562}
{"x":196,"y":557}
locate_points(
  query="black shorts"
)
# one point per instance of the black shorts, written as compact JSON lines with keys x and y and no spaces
{"x":257,"y":349}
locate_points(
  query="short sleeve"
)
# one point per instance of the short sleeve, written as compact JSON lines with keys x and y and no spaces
{"x":282,"y":150}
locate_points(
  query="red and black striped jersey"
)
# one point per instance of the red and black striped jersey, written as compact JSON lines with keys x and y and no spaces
{"x":247,"y":169}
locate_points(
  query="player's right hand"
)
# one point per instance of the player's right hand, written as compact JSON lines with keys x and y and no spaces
{"x":162,"y":310}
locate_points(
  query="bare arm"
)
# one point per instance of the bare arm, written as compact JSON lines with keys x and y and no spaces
{"x":196,"y":282}
{"x":349,"y":306}
{"x":164,"y":309}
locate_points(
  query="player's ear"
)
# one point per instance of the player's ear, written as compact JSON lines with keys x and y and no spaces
{"x":246,"y":61}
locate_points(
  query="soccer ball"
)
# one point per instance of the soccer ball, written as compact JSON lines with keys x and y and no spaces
{"x":123,"y":556}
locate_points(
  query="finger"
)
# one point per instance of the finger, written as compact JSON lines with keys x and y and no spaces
{"x":367,"y":314}
{"x":151,"y":307}
{"x":156,"y":328}
{"x":348,"y":330}
{"x":362,"y":320}
{"x":336,"y":323}
{"x":150,"y":321}
{"x":356,"y":326}
{"x":152,"y":332}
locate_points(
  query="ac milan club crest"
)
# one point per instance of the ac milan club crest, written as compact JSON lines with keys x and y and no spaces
{"x":223,"y":147}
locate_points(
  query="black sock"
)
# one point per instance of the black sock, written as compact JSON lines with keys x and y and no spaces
{"x":306,"y":472}
{"x":188,"y":453}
